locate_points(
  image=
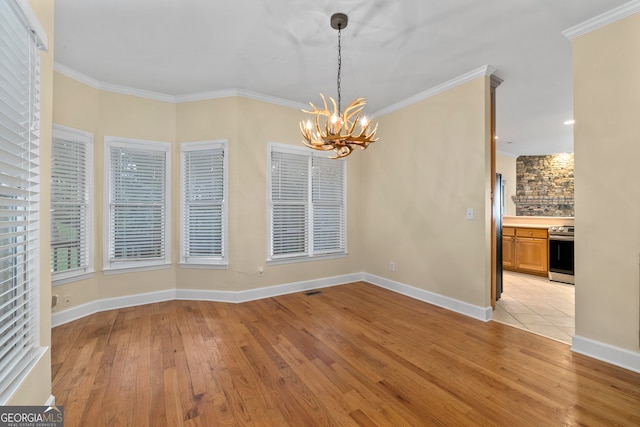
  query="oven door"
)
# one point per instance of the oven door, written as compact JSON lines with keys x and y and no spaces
{"x":561,"y":255}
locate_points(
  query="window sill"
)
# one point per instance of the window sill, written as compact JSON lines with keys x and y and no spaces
{"x":75,"y":278}
{"x":133,"y":269}
{"x":291,"y":260}
{"x":204,"y":266}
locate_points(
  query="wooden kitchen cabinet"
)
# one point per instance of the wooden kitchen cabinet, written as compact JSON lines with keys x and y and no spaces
{"x":525,"y":250}
{"x":508,"y":247}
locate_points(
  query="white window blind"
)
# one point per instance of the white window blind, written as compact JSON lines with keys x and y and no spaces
{"x":328,"y":197}
{"x":19,"y":187}
{"x":204,"y":198}
{"x":139,"y":205}
{"x":307,"y":204}
{"x":71,"y":203}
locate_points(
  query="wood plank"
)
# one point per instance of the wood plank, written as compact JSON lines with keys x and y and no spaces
{"x":354,"y":354}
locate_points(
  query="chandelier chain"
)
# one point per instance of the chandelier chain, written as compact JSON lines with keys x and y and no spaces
{"x":339,"y":80}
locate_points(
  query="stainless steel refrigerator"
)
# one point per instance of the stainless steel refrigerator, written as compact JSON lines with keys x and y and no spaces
{"x":498,"y":208}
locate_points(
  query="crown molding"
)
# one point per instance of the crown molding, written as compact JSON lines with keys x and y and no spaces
{"x":76,"y":75}
{"x":603,"y":19}
{"x":227,"y":93}
{"x":124,"y":90}
{"x":485,"y":70}
{"x":199,"y":96}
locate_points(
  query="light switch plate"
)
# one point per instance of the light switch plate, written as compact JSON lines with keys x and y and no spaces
{"x":469,"y":213}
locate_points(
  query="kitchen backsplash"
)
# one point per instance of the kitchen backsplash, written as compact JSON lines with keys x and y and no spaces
{"x":544,"y":185}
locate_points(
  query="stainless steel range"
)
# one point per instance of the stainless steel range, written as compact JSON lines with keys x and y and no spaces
{"x":561,"y":254}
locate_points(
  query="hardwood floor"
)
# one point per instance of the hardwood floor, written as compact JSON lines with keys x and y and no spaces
{"x":353,"y":354}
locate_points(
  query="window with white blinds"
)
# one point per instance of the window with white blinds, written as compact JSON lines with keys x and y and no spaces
{"x":19,"y":199}
{"x":138,"y":208}
{"x":71,"y":204}
{"x":204,"y":196}
{"x":307,"y":204}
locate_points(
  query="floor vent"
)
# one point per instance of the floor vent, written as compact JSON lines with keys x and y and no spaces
{"x":312,"y":293}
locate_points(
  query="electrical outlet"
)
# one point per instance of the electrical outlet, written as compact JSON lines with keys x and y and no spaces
{"x":260,"y":271}
{"x":469,"y":213}
{"x":66,"y":300}
{"x":392,"y":266}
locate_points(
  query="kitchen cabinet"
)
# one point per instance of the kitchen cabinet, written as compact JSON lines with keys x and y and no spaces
{"x":525,"y":250}
{"x":508,"y":247}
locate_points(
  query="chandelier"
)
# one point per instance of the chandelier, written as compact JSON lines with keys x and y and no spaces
{"x":338,"y":130}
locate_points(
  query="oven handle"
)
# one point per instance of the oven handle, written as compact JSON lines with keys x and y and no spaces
{"x":561,"y":238}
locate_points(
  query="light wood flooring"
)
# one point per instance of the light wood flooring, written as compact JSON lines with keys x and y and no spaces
{"x":353,"y":354}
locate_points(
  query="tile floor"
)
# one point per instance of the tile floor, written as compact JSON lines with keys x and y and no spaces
{"x":538,"y":305}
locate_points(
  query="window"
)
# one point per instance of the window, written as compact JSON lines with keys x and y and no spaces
{"x":71,"y":204}
{"x":138,"y":204}
{"x":204,"y":203}
{"x":19,"y":199}
{"x":307,"y":204}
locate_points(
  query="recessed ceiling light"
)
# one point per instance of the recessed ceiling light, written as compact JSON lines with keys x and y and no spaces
{"x":569,"y":122}
{"x":496,"y":137}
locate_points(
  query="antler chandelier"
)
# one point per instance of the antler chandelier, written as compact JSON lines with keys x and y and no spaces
{"x":337,"y":130}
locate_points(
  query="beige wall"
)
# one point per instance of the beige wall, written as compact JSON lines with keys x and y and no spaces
{"x":109,"y":114}
{"x":36,"y":387}
{"x":248,"y":126}
{"x":606,"y":70}
{"x":431,"y":164}
{"x":506,"y":165}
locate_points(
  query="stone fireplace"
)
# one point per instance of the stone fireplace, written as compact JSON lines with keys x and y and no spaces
{"x":544,"y":185}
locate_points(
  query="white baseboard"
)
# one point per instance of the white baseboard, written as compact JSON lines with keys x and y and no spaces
{"x":474,"y":311}
{"x":266,"y":292}
{"x":607,"y":353}
{"x":61,"y":317}
{"x":74,"y":313}
{"x":617,"y":356}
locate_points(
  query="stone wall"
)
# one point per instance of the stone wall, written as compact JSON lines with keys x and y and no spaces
{"x":544,"y":185}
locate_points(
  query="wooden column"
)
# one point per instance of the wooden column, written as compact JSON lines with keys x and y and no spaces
{"x":494,"y":82}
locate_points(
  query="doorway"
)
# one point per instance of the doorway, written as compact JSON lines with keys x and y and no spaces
{"x":538,"y":305}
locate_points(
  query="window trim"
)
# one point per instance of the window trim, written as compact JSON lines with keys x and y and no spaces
{"x":205,"y":262}
{"x":84,"y":137}
{"x":310,"y":256}
{"x":109,"y":267}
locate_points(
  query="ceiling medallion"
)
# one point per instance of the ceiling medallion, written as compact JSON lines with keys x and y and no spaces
{"x":338,"y":130}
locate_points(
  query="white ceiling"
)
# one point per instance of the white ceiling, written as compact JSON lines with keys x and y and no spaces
{"x":392,"y":50}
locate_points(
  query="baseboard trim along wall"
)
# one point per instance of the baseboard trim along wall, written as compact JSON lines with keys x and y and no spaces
{"x":78,"y":312}
{"x":474,"y":311}
{"x":607,"y":353}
